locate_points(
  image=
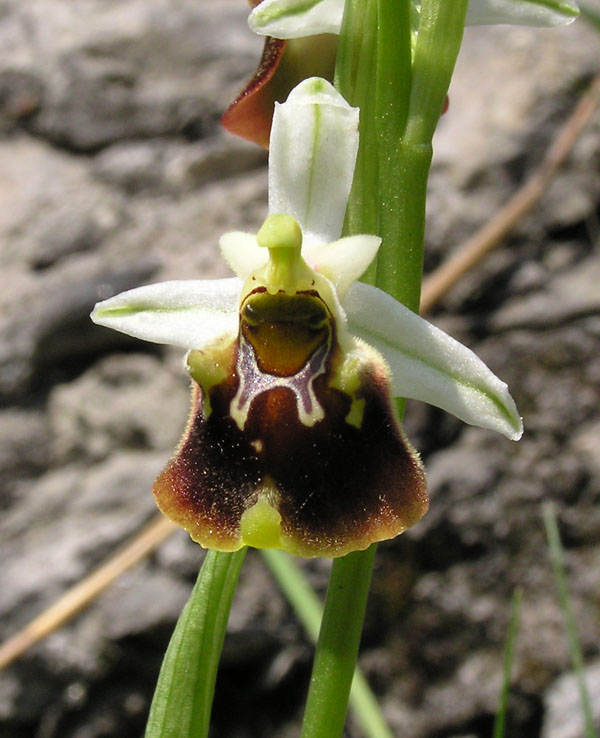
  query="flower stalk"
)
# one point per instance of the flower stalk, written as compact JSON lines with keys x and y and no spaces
{"x":405,"y":161}
{"x":337,"y":647}
{"x":389,"y":190}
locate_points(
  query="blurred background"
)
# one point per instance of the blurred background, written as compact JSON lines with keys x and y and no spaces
{"x":113,"y":173}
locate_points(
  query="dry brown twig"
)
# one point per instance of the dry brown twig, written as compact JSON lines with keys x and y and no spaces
{"x":498,"y":227}
{"x":85,"y":591}
{"x":434,"y":288}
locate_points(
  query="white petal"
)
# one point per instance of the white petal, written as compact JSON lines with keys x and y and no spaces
{"x":522,"y":12}
{"x":242,"y":253}
{"x":314,"y":142}
{"x":296,"y":18}
{"x":343,"y":261}
{"x":187,"y":313}
{"x":429,"y":365}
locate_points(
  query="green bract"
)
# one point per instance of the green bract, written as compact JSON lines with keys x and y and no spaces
{"x":297,"y":18}
{"x":293,"y":441}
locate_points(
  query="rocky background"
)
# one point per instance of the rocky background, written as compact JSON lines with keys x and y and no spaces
{"x":113,"y":173}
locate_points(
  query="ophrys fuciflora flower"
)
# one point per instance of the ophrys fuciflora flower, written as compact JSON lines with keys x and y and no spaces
{"x":293,"y":440}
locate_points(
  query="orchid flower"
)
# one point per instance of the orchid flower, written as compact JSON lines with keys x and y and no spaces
{"x":297,"y":18}
{"x":292,"y":440}
{"x":301,"y":41}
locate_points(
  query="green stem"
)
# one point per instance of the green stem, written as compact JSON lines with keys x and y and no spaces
{"x":309,"y":610}
{"x":400,"y":108}
{"x":183,"y":697}
{"x":337,"y":648}
{"x":394,"y":71}
{"x":404,"y":164}
{"x":355,"y":65}
{"x":438,"y":43}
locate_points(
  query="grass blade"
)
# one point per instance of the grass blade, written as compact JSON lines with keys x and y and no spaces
{"x":509,"y":657}
{"x":560,"y":578}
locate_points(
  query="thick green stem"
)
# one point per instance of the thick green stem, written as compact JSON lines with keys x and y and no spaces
{"x":337,"y":649}
{"x":402,"y":224}
{"x":400,"y":106}
{"x":183,"y":697}
{"x":405,"y":162}
{"x":309,"y":610}
{"x":354,"y":71}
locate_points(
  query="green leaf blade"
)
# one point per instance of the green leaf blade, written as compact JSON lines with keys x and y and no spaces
{"x":184,"y":692}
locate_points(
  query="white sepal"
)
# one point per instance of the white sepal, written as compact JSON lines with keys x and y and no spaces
{"x":186,"y":313}
{"x":429,"y":365}
{"x":314,"y":142}
{"x":296,"y":18}
{"x":522,"y":12}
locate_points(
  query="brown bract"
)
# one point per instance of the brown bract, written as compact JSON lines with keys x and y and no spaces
{"x":282,"y":66}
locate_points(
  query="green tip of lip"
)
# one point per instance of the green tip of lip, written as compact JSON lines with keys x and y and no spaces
{"x":261,"y":526}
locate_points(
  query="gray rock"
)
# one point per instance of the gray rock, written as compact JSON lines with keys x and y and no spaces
{"x":496,"y":131}
{"x":47,"y":324}
{"x":172,"y":167}
{"x":141,"y":601}
{"x":564,"y":717}
{"x":587,"y":442}
{"x":69,"y":234}
{"x":570,"y":295}
{"x":123,"y":71}
{"x":52,"y":206}
{"x":24,"y":449}
{"x":20,"y":98}
{"x":124,"y":402}
{"x":68,"y":522}
{"x":9,"y":689}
